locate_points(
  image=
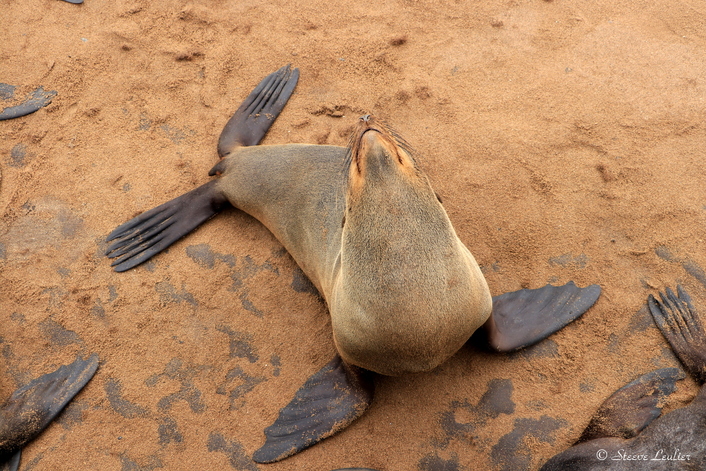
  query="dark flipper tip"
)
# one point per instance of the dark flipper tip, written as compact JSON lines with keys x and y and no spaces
{"x":141,"y":238}
{"x":256,"y":114}
{"x":329,"y":401}
{"x":32,"y":407}
{"x":37,"y":100}
{"x":633,"y":407}
{"x":523,"y":318}
{"x":10,"y":461}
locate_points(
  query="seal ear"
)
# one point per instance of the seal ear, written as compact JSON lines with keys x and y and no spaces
{"x":32,"y":407}
{"x":523,"y":318}
{"x":329,"y":401}
{"x":256,"y":114}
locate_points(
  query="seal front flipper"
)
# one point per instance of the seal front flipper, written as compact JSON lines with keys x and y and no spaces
{"x":153,"y":231}
{"x":681,"y":325}
{"x":522,"y":318}
{"x":329,"y":401}
{"x":633,"y":407}
{"x":256,"y":114}
{"x":30,"y":408}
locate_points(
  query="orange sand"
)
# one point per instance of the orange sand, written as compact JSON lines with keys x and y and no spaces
{"x":565,"y":138}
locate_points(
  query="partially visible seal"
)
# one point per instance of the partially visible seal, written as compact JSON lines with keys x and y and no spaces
{"x":38,"y":99}
{"x":365,"y":225}
{"x":628,"y":427}
{"x":31,"y":408}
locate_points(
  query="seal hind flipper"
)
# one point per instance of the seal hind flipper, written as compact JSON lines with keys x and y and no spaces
{"x":329,"y":401}
{"x":30,"y":408}
{"x":153,"y":231}
{"x":522,"y":318}
{"x":256,"y":114}
{"x":633,"y":407}
{"x":681,"y":325}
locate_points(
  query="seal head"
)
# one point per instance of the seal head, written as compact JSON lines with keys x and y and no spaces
{"x":409,"y":294}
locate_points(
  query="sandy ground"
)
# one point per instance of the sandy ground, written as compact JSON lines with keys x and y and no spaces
{"x":565,"y":138}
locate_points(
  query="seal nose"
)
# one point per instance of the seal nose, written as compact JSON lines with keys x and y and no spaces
{"x":365,"y":118}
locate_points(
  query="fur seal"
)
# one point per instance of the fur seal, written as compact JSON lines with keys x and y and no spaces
{"x":628,"y":428}
{"x":366,"y":227}
{"x":31,"y":408}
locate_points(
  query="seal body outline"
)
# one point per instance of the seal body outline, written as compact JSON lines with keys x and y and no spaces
{"x":365,"y":225}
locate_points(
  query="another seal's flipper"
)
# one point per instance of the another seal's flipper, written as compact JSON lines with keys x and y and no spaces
{"x":631,"y":408}
{"x":30,"y":409}
{"x":681,"y":326}
{"x":522,"y":318}
{"x":37,"y":100}
{"x":153,"y":231}
{"x":328,"y":402}
{"x":250,"y":123}
{"x":10,"y":462}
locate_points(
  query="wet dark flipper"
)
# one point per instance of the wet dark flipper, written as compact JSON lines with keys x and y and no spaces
{"x":153,"y":231}
{"x":681,"y":325}
{"x":10,"y":461}
{"x":631,"y":408}
{"x":30,"y":408}
{"x":328,"y":402}
{"x":37,"y":100}
{"x":522,"y":318}
{"x":250,"y":123}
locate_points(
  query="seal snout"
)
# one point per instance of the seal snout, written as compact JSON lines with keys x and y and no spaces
{"x":376,"y":149}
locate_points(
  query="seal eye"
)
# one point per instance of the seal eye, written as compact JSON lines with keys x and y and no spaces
{"x":343,"y":221}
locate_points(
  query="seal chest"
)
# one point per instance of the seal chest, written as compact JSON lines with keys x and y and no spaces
{"x":408,"y":294}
